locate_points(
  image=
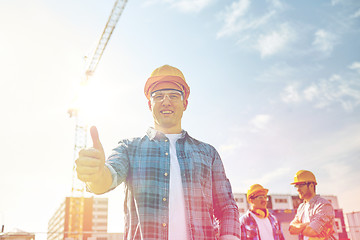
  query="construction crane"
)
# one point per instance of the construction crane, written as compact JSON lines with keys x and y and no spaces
{"x":76,"y":209}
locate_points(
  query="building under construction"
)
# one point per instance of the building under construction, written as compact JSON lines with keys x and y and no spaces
{"x":64,"y":224}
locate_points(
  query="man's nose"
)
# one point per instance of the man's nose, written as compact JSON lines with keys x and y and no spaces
{"x":166,"y":100}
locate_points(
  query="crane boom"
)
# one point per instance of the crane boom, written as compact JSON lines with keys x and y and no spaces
{"x":76,"y":209}
{"x":105,"y":36}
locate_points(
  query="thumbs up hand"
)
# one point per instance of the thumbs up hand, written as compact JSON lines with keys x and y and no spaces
{"x":95,"y":139}
{"x":91,"y":161}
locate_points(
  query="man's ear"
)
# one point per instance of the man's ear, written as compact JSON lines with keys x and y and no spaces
{"x":149,"y":104}
{"x":185,"y":104}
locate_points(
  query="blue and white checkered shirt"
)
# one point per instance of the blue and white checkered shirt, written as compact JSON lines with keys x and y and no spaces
{"x":143,"y":164}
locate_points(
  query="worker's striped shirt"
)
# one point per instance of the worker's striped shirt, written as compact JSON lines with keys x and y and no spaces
{"x":321,"y":214}
{"x":143,"y":164}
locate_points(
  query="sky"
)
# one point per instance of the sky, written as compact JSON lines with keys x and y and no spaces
{"x":275,"y":88}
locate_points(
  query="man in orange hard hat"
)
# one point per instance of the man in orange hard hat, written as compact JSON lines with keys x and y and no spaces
{"x":257,"y":223}
{"x":315,"y":215}
{"x":175,"y":185}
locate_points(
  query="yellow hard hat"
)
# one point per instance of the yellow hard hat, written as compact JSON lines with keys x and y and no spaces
{"x":256,"y":190}
{"x":166,"y":77}
{"x":304,"y":176}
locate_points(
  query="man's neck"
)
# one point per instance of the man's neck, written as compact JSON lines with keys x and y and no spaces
{"x":254,"y":209}
{"x":309,"y":198}
{"x":170,"y":130}
{"x":260,"y":212}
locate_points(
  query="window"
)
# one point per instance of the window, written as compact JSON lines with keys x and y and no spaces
{"x":281,"y":200}
{"x":100,"y":224}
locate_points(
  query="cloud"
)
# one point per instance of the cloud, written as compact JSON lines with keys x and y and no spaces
{"x":191,"y":5}
{"x":259,"y":122}
{"x":324,"y":41}
{"x":277,"y":4}
{"x":238,"y":21}
{"x":229,"y":148}
{"x":275,"y":41}
{"x":291,"y":93}
{"x":326,"y":92}
{"x":265,"y":179}
{"x":355,"y":66}
{"x":232,"y":18}
{"x":356,"y":14}
{"x":252,"y":27}
{"x":335,"y":2}
{"x":183,"y":5}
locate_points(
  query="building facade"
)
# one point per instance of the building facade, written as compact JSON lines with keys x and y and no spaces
{"x":354,"y":225}
{"x":17,"y":234}
{"x":79,"y":218}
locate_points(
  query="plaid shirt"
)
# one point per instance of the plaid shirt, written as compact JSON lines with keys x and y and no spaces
{"x":250,"y":230}
{"x":143,"y":164}
{"x":321,"y":215}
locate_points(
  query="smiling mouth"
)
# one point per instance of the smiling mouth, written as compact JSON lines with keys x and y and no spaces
{"x":166,"y":112}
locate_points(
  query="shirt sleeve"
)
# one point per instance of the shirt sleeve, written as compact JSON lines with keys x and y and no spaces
{"x":118,"y":164}
{"x":225,"y":208}
{"x":229,"y":237}
{"x":323,"y":215}
{"x":298,"y":213}
{"x":242,"y":228}
{"x":113,"y":175}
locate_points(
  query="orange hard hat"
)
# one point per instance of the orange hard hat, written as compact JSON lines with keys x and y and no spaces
{"x":304,"y":176}
{"x":256,"y":190}
{"x":166,"y":77}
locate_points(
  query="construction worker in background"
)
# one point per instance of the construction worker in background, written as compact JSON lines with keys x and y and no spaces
{"x":315,"y":215}
{"x":175,"y":185}
{"x":257,"y":223}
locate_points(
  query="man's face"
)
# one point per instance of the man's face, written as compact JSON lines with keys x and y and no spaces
{"x":167,"y":107}
{"x":304,"y":190}
{"x":259,"y":202}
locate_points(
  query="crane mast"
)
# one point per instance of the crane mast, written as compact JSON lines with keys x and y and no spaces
{"x":76,"y":206}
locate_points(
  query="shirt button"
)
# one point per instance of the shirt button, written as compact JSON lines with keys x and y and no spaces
{"x":164,"y":224}
{"x":165,"y":174}
{"x":166,"y":153}
{"x":164,"y":199}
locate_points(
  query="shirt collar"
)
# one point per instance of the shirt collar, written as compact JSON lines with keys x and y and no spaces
{"x":313,"y":199}
{"x":154,"y":134}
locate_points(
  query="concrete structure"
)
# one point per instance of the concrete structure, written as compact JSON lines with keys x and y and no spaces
{"x":354,"y":225}
{"x":17,"y":234}
{"x":284,"y":207}
{"x":108,"y":236}
{"x":241,"y":202}
{"x":94,"y":224}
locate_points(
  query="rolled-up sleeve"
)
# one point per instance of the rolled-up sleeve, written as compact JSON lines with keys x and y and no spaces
{"x":324,"y":213}
{"x":118,"y":164}
{"x":225,"y":208}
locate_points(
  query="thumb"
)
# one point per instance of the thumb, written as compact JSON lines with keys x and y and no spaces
{"x":95,"y":138}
